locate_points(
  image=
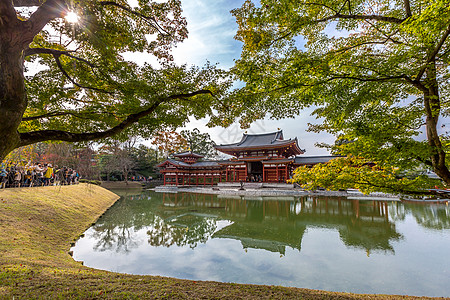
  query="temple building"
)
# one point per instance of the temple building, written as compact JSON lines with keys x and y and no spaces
{"x":185,"y":169}
{"x":256,"y":158}
{"x":261,"y":157}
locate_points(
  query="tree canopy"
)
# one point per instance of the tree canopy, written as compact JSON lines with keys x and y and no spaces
{"x":84,"y":89}
{"x":200,"y":143}
{"x":377,"y":72}
{"x":187,"y":140}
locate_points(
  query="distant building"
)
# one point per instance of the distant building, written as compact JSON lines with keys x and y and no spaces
{"x":257,"y":158}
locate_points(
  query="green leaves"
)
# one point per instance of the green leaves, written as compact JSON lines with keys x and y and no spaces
{"x":362,"y":174}
{"x":374,"y":70}
{"x":84,"y":89}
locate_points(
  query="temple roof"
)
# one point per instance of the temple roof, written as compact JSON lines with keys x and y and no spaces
{"x":188,"y":154}
{"x":278,"y":161}
{"x":200,"y":164}
{"x":272,"y":140}
{"x":312,"y":160}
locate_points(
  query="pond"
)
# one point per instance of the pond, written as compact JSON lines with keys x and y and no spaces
{"x":326,"y":243}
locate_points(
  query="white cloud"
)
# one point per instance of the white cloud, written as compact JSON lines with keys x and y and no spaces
{"x":211,"y":38}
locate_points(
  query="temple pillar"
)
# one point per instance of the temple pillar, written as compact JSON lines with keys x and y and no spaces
{"x":245,"y":173}
{"x":286,"y":173}
{"x":264,"y":173}
{"x":278,"y":175}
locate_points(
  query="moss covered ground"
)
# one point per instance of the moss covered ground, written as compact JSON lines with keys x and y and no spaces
{"x":38,"y":226}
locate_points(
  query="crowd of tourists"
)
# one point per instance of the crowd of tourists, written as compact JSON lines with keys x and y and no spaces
{"x":36,"y":174}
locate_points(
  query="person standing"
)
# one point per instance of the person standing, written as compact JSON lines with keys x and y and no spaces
{"x":48,"y":175}
{"x":3,"y":176}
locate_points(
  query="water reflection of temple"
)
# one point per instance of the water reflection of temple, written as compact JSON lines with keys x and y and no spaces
{"x":274,"y":225}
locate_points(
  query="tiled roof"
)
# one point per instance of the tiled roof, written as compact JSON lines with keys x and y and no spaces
{"x":278,"y":161}
{"x":260,"y":141}
{"x":231,"y":162}
{"x":310,"y":160}
{"x":206,"y":164}
{"x":254,"y":140}
{"x":200,"y":164}
{"x":188,"y":153}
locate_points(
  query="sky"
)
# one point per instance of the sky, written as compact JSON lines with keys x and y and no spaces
{"x":211,"y":38}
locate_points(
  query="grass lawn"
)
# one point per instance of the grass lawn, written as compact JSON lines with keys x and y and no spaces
{"x":37,"y":228}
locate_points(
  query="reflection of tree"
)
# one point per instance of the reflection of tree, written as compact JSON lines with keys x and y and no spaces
{"x":434,"y":216}
{"x":184,"y":230}
{"x":370,"y":236}
{"x":361,"y":224}
{"x":397,"y":212}
{"x":117,"y":238}
{"x":190,"y":219}
{"x":114,"y":231}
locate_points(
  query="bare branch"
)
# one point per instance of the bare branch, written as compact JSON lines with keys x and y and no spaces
{"x":28,"y":138}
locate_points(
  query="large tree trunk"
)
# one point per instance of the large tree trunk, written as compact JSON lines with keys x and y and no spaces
{"x":432,"y":111}
{"x":13,"y":99}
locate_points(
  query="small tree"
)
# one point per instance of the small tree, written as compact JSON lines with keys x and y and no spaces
{"x":200,"y":143}
{"x":170,"y":142}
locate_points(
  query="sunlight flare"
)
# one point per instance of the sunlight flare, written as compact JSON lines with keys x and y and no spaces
{"x":71,"y":17}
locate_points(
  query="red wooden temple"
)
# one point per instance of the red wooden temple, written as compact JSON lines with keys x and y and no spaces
{"x":187,"y":170}
{"x":256,"y":158}
{"x":261,"y":157}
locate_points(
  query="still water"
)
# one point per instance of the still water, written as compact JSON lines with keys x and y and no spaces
{"x":327,"y":243}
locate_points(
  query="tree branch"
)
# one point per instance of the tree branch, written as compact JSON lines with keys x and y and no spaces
{"x":58,"y":63}
{"x":407,"y":8}
{"x":7,"y":13}
{"x":27,"y":3}
{"x":63,"y":113}
{"x":150,"y":20}
{"x":361,"y":17}
{"x":54,"y":52}
{"x":345,"y":49}
{"x":48,"y":11}
{"x":285,"y":35}
{"x":28,"y":138}
{"x":432,"y":55}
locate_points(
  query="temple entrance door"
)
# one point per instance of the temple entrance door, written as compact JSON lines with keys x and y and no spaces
{"x":255,"y":171}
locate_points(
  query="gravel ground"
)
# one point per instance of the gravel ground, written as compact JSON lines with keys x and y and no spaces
{"x":352,"y":194}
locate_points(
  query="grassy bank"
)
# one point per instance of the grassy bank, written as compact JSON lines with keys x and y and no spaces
{"x":38,"y":225}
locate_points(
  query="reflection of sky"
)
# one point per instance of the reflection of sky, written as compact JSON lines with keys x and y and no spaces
{"x":418,"y":267}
